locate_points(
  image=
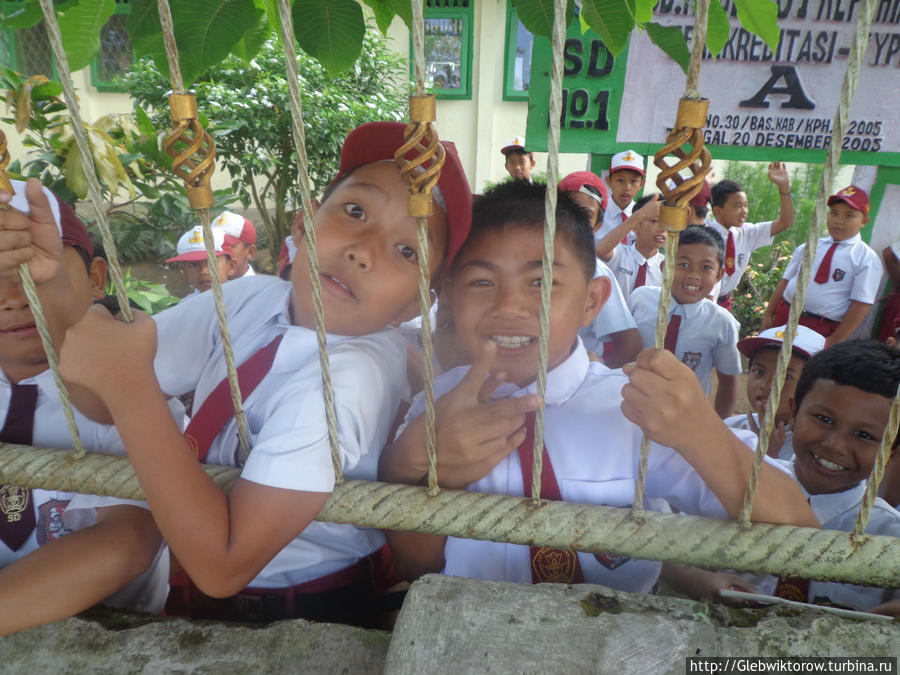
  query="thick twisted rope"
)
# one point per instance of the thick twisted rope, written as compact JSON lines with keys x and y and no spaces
{"x":832,"y":157}
{"x":556,"y":75}
{"x":87,"y":159}
{"x":422,"y":109}
{"x":826,"y":555}
{"x":309,"y":238}
{"x":689,"y":120}
{"x":194,"y":163}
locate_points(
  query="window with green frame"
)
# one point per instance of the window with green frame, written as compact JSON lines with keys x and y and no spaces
{"x":27,"y":50}
{"x":517,"y":61}
{"x":448,"y":48}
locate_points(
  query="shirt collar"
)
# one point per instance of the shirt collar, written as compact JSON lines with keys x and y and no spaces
{"x":829,"y":505}
{"x":687,"y":311}
{"x":852,"y":240}
{"x":562,"y":382}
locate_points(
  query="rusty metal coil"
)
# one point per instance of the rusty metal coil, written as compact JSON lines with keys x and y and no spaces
{"x":688,"y":131}
{"x":4,"y":162}
{"x":193,"y":151}
{"x":424,"y":169}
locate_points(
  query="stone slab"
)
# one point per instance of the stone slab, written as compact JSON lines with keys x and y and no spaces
{"x":464,"y":626}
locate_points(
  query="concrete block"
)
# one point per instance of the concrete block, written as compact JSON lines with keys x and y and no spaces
{"x":464,"y":626}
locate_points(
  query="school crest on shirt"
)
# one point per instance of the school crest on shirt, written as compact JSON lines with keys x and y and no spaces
{"x":838,"y":274}
{"x":50,"y":523}
{"x":740,"y":259}
{"x":13,"y":502}
{"x":692,"y":359}
{"x":611,"y":562}
{"x":554,"y":566}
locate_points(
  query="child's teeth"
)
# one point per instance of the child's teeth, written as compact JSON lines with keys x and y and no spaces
{"x":831,"y":466}
{"x":691,"y":288}
{"x":511,"y":340}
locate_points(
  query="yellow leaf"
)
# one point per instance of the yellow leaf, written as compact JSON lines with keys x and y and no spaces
{"x":23,"y":108}
{"x":76,"y":180}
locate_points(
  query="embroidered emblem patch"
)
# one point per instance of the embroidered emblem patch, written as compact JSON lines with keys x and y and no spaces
{"x":554,"y":566}
{"x":692,"y":359}
{"x":611,"y":562}
{"x":50,"y":523}
{"x":838,"y":274}
{"x":740,"y":259}
{"x":13,"y":501}
{"x":729,"y":262}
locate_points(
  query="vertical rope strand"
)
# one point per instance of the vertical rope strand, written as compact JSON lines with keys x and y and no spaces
{"x":832,"y":157}
{"x":556,"y":73}
{"x":418,"y":32}
{"x":881,"y":459}
{"x":87,"y":158}
{"x":194,"y":164}
{"x":309,"y":238}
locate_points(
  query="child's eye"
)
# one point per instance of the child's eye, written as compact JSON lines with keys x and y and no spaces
{"x":824,"y":419}
{"x":355,"y":211}
{"x":756,"y":371}
{"x":408,"y":252}
{"x":480,"y":283}
{"x":866,"y":436}
{"x":788,"y":377}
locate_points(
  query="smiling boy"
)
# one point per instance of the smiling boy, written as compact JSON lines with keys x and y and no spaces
{"x":841,"y":408}
{"x":700,"y":333}
{"x":625,"y":181}
{"x":847,"y":273}
{"x":260,"y":537}
{"x":484,"y":413}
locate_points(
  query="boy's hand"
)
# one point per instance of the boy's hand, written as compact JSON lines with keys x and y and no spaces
{"x":649,"y":211}
{"x":665,"y":399}
{"x":107,"y":356}
{"x":779,"y":175}
{"x":32,"y":238}
{"x":779,"y":431}
{"x":474,"y":433}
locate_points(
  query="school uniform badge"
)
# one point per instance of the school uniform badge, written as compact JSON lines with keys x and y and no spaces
{"x":50,"y":523}
{"x":13,"y":502}
{"x":554,"y":566}
{"x":838,"y":274}
{"x":611,"y":562}
{"x":692,"y":359}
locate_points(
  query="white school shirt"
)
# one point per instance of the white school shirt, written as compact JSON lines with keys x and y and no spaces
{"x":612,"y":218}
{"x":613,"y":317}
{"x":707,"y":336}
{"x":625,"y":262}
{"x":838,"y":511}
{"x":594,"y":450}
{"x":286,"y":413}
{"x":249,"y":273}
{"x":786,"y":452}
{"x":57,"y":513}
{"x":747,"y":238}
{"x":856,"y":272}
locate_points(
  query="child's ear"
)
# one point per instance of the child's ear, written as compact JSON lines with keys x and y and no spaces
{"x":230,"y":267}
{"x":299,"y":227}
{"x":721,"y":272}
{"x":97,"y":275}
{"x":598,"y":291}
{"x":717,"y":212}
{"x":251,"y":251}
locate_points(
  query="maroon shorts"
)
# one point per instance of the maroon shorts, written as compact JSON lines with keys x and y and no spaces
{"x":820,"y":324}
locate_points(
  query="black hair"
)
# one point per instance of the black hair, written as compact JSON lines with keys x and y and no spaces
{"x":865,"y":364}
{"x":701,"y":234}
{"x":332,"y":186}
{"x":700,"y":211}
{"x":518,"y":151}
{"x":721,"y":191}
{"x":521,"y":204}
{"x":638,"y":203}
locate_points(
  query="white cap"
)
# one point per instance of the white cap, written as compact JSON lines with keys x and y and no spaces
{"x":518,"y":143}
{"x":628,"y":159}
{"x":191,"y":246}
{"x":806,"y":342}
{"x":236,"y":226}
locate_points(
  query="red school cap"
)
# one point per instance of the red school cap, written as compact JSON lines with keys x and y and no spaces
{"x":377,"y":141}
{"x":237,"y":228}
{"x":853,"y":196}
{"x":575,"y":181}
{"x":702,"y":197}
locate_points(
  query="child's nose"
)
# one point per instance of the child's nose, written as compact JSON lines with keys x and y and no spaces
{"x":361,"y":253}
{"x":510,"y":303}
{"x":12,"y":296}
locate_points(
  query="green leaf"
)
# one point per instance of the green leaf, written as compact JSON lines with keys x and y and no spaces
{"x":537,"y":15}
{"x":612,"y":20}
{"x":207,"y":30}
{"x":331,"y":31}
{"x":80,"y":28}
{"x":717,"y":28}
{"x":46,"y":91}
{"x":144,"y":28}
{"x":249,"y":45}
{"x":145,"y":126}
{"x":760,"y":17}
{"x":24,"y":17}
{"x":386,"y":10}
{"x":671,"y":40}
{"x":643,"y":11}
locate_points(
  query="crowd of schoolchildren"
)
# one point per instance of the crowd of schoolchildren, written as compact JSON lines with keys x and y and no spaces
{"x":257,"y":554}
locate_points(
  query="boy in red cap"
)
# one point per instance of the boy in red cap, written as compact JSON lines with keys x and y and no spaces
{"x":519,"y":162}
{"x":257,"y":546}
{"x":846,"y":273}
{"x":240,"y":235}
{"x":61,"y":553}
{"x":191,"y":256}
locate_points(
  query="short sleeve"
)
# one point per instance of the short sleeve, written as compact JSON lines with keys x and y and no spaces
{"x":726,"y":357}
{"x":758,"y":235}
{"x":614,"y":316}
{"x":867,"y":278}
{"x":793,"y":267}
{"x":186,"y":336}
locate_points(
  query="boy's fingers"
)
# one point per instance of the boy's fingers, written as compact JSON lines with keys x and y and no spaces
{"x":489,"y":386}
{"x":480,"y":368}
{"x":513,"y":407}
{"x":38,"y":206}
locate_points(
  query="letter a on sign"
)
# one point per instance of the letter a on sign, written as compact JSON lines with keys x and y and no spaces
{"x":792,"y":88}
